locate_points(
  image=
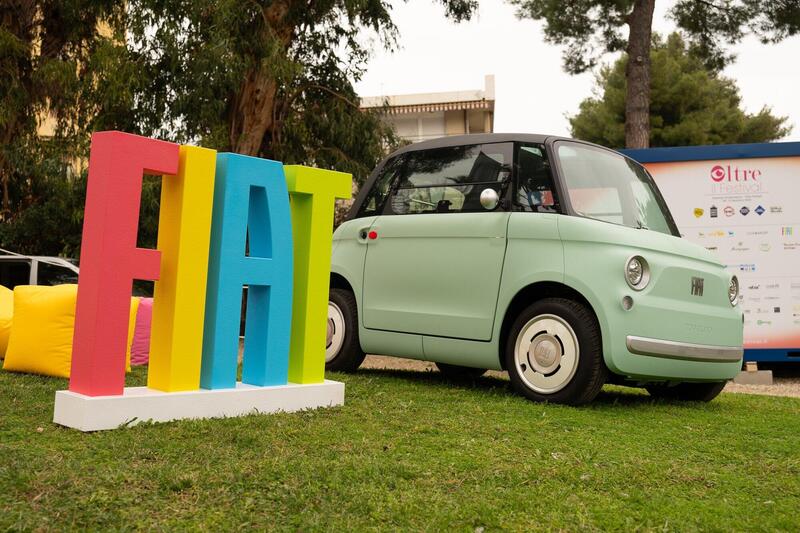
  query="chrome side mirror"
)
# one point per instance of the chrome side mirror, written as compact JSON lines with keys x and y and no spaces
{"x":489,"y":199}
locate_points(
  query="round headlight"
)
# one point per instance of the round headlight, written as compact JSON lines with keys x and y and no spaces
{"x":733,"y":290}
{"x":637,"y":273}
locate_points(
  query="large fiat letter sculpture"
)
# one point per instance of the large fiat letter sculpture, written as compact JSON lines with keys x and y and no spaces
{"x":226,"y":222}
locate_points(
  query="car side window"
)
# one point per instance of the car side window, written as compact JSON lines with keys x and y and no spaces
{"x":15,"y":272}
{"x":376,"y":197}
{"x":48,"y":274}
{"x":534,"y":188}
{"x":450,"y":179}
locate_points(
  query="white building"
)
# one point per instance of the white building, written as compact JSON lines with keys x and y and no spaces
{"x":422,"y":116}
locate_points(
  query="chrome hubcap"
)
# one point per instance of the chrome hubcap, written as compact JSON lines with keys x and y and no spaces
{"x":546,"y":354}
{"x":335,"y":334}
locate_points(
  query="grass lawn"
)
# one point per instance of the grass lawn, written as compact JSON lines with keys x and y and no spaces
{"x":409,"y":451}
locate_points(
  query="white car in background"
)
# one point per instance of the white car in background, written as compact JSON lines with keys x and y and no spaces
{"x":36,"y":270}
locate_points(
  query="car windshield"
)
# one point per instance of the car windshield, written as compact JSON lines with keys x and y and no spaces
{"x":607,"y":186}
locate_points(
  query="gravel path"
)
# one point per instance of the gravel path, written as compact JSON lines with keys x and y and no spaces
{"x":786,"y":379}
{"x":780,"y":387}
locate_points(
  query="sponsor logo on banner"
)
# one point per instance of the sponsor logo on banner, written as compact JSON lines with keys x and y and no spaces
{"x":713,"y":211}
{"x":776,"y":209}
{"x":746,"y":267}
{"x":758,"y":232}
{"x":744,"y":210}
{"x":759,"y":210}
{"x":731,"y":179}
{"x":729,"y":211}
{"x":773,"y":286}
{"x":717,"y":173}
{"x":739,"y":247}
{"x":764,"y":247}
{"x":787,"y":231}
{"x":698,"y":212}
{"x":734,"y":173}
{"x":777,"y":309}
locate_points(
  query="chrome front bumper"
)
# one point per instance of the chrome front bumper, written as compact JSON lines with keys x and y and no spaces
{"x":683,"y":350}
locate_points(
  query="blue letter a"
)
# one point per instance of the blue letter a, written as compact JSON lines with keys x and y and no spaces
{"x":250,"y":197}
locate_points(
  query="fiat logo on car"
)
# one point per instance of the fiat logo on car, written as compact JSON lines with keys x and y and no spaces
{"x":697,"y":286}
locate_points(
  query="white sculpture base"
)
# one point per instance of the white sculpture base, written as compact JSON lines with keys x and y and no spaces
{"x":140,"y":404}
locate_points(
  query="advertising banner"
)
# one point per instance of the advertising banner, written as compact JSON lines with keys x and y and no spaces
{"x":747,"y":212}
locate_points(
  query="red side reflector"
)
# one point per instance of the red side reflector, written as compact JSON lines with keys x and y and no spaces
{"x":372,"y":235}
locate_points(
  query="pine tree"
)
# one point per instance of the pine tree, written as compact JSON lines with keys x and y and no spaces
{"x":690,"y":104}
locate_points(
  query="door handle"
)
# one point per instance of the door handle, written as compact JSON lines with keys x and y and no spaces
{"x":364,"y":235}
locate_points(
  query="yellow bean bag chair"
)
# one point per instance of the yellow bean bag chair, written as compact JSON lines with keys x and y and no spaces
{"x":6,"y":312}
{"x":41,"y":332}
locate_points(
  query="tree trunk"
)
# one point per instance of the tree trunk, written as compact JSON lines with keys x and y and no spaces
{"x":253,"y":113}
{"x":637,"y":74}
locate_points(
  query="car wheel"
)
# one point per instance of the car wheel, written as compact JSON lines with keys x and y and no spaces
{"x":460,"y":372}
{"x":554,"y":353}
{"x":343,"y":352}
{"x":690,"y":392}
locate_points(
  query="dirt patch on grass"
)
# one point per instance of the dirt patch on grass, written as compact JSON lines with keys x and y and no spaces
{"x":779,"y":387}
{"x":786,"y":380}
{"x":399,"y":363}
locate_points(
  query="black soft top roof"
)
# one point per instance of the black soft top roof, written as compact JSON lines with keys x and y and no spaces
{"x":474,"y":138}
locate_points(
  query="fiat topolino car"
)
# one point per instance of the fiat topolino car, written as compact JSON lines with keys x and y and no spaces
{"x":551,"y":258}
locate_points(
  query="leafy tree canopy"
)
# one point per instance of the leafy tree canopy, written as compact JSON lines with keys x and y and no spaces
{"x":54,"y":56}
{"x":270,"y":78}
{"x":588,"y":29}
{"x":267,"y":78}
{"x":710,"y":24}
{"x":690,"y":104}
{"x":591,"y":28}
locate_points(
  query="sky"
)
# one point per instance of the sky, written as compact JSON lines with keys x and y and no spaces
{"x":533,"y":93}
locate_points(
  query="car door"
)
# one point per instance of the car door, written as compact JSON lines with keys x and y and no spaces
{"x":435,"y":256}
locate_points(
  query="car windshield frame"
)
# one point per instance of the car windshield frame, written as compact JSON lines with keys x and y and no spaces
{"x":643,"y":176}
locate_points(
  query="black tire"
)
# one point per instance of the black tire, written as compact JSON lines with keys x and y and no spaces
{"x":350,"y":355}
{"x":460,"y":372}
{"x":590,"y":373}
{"x":687,"y":392}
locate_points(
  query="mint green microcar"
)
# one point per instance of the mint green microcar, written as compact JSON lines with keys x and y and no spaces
{"x":553,"y":259}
